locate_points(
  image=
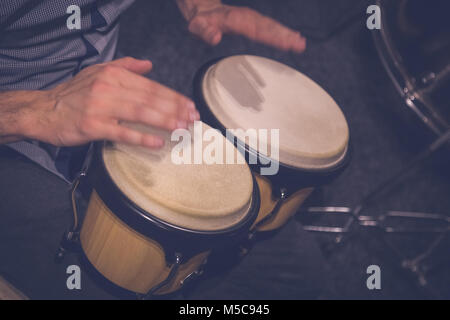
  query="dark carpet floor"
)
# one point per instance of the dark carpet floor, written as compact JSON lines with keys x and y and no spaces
{"x":345,"y":63}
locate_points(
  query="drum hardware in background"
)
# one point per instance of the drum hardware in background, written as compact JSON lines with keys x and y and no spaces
{"x":415,"y":89}
{"x":380,"y":222}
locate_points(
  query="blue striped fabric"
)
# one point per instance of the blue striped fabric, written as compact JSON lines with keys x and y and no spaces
{"x":38,"y":51}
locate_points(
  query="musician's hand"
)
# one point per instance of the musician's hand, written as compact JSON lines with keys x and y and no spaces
{"x":210,"y":19}
{"x":93,"y":104}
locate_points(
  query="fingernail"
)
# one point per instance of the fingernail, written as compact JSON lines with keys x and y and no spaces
{"x":190,"y":105}
{"x":194,"y":115}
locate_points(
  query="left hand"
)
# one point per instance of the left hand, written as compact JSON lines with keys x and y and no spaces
{"x":210,"y":19}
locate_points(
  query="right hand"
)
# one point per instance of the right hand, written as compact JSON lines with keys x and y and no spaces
{"x":93,"y":104}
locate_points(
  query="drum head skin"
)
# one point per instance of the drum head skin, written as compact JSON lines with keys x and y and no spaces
{"x":203,"y":197}
{"x":250,"y":92}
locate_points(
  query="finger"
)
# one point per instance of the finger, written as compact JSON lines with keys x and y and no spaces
{"x":171,"y":108}
{"x":197,"y":25}
{"x":133,"y":65}
{"x":297,"y":42}
{"x":118,"y":133}
{"x":167,"y":99}
{"x":263,"y":29}
{"x":213,"y":35}
{"x":129,"y":111}
{"x":216,"y":38}
{"x":208,"y":32}
{"x":162,"y":91}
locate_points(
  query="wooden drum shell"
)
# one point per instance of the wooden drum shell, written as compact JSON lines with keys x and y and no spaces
{"x":286,"y":209}
{"x":126,"y":257}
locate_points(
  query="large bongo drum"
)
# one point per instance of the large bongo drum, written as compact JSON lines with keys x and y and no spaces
{"x":151,"y":223}
{"x":250,"y":94}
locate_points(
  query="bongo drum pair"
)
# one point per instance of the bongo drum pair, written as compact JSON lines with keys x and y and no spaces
{"x":151,"y":223}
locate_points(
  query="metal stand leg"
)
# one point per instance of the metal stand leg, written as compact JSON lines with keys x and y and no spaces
{"x":382,"y":222}
{"x":414,"y":265}
{"x":355,"y":213}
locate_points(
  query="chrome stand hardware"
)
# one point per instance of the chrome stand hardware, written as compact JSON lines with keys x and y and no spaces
{"x":382,"y":221}
{"x":383,"y":187}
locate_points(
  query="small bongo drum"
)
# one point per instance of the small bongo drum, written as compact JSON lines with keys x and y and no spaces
{"x":151,"y":223}
{"x":249,"y":94}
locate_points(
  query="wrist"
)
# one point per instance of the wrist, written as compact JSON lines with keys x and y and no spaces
{"x":31,"y":108}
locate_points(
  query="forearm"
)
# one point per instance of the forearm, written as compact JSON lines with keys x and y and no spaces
{"x":17,"y":108}
{"x":189,"y":8}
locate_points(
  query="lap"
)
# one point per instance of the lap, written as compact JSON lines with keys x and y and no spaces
{"x":35,"y":211}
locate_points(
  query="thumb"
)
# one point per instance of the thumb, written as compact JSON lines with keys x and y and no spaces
{"x":133,"y":65}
